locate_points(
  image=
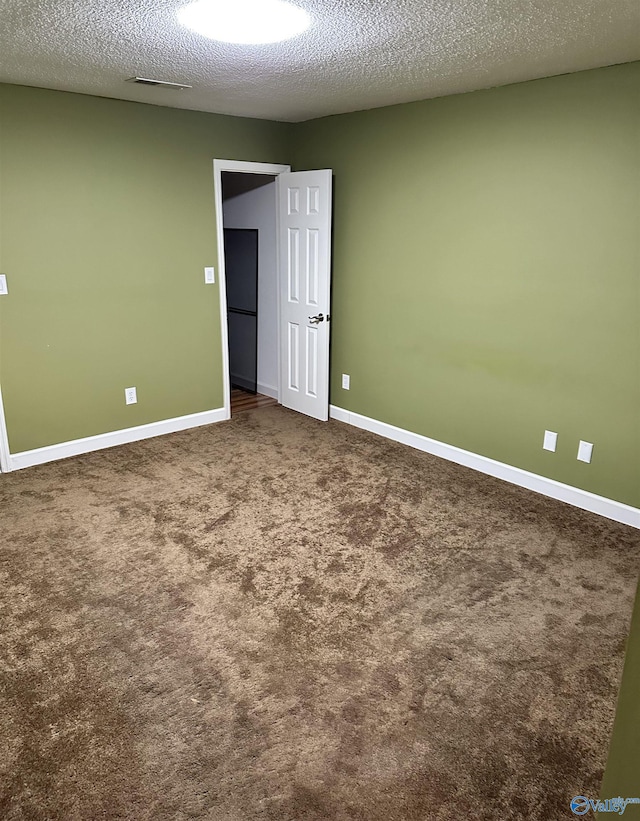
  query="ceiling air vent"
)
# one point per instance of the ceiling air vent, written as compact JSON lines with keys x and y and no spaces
{"x":146,"y":81}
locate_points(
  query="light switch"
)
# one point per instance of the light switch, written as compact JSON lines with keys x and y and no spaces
{"x":550,"y":440}
{"x":210,"y":275}
{"x":585,"y":451}
{"x":4,"y":288}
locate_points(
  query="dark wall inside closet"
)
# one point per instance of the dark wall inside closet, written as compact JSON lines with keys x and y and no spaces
{"x":241,"y":262}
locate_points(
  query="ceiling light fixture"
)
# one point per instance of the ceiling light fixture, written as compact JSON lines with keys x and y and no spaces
{"x":248,"y":22}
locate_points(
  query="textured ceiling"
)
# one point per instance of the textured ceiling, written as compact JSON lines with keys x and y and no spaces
{"x":358,"y":53}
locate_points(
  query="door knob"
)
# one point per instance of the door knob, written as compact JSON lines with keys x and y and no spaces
{"x":314,"y":320}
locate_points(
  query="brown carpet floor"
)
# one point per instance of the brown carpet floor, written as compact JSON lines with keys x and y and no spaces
{"x":274,"y":618}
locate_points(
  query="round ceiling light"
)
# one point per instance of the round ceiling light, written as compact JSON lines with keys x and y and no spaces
{"x":245,"y":21}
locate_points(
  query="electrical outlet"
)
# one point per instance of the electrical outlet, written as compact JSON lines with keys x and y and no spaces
{"x":210,"y":276}
{"x":4,"y":288}
{"x":346,"y":381}
{"x":585,"y":451}
{"x":550,"y":441}
{"x":130,"y":396}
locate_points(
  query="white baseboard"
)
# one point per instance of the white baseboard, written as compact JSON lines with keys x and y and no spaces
{"x":51,"y":453}
{"x":516,"y":476}
{"x":343,"y":415}
{"x":267,"y":390}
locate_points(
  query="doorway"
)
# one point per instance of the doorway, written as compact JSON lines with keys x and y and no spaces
{"x":251,"y":275}
{"x":291,"y":323}
{"x":246,"y":210}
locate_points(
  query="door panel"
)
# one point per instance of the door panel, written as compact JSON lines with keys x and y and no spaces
{"x":304,"y":211}
{"x":293,"y":357}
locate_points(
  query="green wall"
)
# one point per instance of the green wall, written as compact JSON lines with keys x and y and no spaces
{"x":486,"y":270}
{"x":106,"y":222}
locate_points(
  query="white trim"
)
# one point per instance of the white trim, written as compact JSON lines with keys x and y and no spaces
{"x":247,"y":167}
{"x":39,"y":456}
{"x":276,"y":205}
{"x":342,"y":415}
{"x":5,"y":458}
{"x":268,"y":390}
{"x":583,"y":499}
{"x":239,"y":166}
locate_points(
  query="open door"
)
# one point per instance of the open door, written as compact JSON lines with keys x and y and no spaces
{"x":304,"y":215}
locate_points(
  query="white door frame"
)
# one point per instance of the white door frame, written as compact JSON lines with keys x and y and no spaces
{"x":242,"y":167}
{"x":5,"y":456}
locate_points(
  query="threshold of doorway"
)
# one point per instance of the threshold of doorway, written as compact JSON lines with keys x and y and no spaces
{"x":243,"y":400}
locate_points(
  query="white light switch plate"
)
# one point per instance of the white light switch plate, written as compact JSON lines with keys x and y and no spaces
{"x":130,"y":396}
{"x":4,"y":288}
{"x":585,"y":451}
{"x":210,"y":275}
{"x":346,"y":381}
{"x":550,"y":440}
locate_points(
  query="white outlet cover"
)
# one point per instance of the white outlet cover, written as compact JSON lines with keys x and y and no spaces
{"x":210,"y":276}
{"x":346,"y":381}
{"x":4,"y":288}
{"x":585,"y":451}
{"x":130,"y":396}
{"x":550,"y":441}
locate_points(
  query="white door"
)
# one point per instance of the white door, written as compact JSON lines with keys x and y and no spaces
{"x":304,"y":218}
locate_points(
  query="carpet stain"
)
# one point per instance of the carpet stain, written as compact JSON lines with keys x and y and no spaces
{"x":279,"y":619}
